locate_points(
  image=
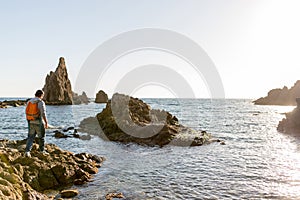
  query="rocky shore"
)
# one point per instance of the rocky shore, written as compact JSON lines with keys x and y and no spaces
{"x":126,"y":119}
{"x":291,"y":123}
{"x":23,"y":178}
{"x":12,"y":103}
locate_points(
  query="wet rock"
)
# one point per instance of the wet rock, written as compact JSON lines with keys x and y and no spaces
{"x":60,"y":135}
{"x":68,"y":129}
{"x":111,"y":196}
{"x":126,"y":119}
{"x":58,"y":89}
{"x":69,"y":193}
{"x":26,"y":178}
{"x":101,"y":97}
{"x":291,"y":124}
{"x":282,"y":96}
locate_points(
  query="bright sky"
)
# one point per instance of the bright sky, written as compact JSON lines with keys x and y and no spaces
{"x":254,"y":44}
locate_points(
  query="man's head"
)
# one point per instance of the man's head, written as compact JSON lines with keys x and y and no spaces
{"x":39,"y":93}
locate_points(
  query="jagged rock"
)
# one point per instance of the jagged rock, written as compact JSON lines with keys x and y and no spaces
{"x":58,"y":89}
{"x":101,"y":97}
{"x":26,"y":178}
{"x":80,"y":99}
{"x":282,"y":96}
{"x":126,"y":119}
{"x":291,"y":124}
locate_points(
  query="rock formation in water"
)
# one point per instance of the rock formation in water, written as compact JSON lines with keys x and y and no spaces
{"x":12,"y":103}
{"x":58,"y":89}
{"x":101,"y":97}
{"x":24,"y":178}
{"x":282,"y":96}
{"x":80,"y":99}
{"x":291,"y":124}
{"x":126,"y":119}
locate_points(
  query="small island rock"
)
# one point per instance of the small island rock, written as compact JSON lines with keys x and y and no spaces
{"x":101,"y":97}
{"x":126,"y":119}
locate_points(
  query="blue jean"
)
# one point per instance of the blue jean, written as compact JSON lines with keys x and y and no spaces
{"x":33,"y":130}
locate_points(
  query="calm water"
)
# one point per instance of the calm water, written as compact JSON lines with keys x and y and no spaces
{"x":257,"y":162}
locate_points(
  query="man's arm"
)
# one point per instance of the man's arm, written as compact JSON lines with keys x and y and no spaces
{"x":42,"y":108}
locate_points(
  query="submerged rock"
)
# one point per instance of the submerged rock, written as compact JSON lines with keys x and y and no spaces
{"x":291,"y":124}
{"x":58,"y":89}
{"x":126,"y":119}
{"x":26,"y":178}
{"x":58,"y":134}
{"x":101,"y":97}
{"x":282,"y":96}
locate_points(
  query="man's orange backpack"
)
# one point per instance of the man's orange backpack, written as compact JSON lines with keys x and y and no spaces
{"x":32,"y":111}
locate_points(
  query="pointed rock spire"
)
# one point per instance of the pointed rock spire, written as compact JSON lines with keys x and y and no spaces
{"x":58,"y":89}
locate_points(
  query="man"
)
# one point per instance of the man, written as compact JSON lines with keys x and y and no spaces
{"x":37,"y":122}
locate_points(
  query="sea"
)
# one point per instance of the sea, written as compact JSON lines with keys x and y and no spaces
{"x":256,"y":162}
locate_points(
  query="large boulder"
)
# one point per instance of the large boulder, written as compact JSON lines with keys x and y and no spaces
{"x":80,"y":99}
{"x":291,"y":123}
{"x":101,"y":97}
{"x":26,"y":178}
{"x":126,"y":119}
{"x":58,"y":89}
{"x":282,"y":96}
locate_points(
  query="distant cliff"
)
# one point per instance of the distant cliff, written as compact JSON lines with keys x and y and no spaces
{"x":282,"y":96}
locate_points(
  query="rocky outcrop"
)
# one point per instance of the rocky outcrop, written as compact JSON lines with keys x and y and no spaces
{"x":291,"y":123}
{"x":12,"y":103}
{"x":126,"y":119}
{"x":26,"y":178}
{"x":101,"y":97}
{"x":282,"y":96}
{"x":80,"y":99}
{"x":58,"y":89}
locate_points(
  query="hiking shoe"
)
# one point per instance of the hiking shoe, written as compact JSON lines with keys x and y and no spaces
{"x":45,"y":153}
{"x":27,"y":154}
